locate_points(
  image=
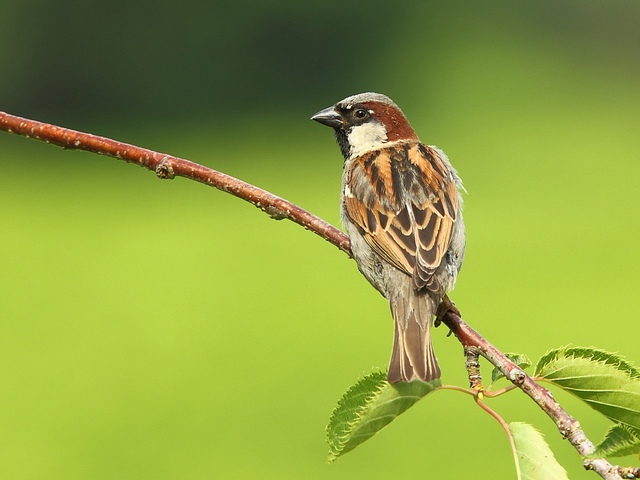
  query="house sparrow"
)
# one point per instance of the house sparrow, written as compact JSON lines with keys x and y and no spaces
{"x":401,"y":208}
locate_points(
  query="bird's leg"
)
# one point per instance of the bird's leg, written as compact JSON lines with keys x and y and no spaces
{"x":446,"y":305}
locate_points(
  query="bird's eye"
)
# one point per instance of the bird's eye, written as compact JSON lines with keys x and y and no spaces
{"x":360,"y":113}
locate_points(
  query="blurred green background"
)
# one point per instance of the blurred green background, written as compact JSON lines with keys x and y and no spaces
{"x":164,"y":330}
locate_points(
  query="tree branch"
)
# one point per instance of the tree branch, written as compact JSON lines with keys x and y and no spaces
{"x":569,"y":427}
{"x":168,"y":166}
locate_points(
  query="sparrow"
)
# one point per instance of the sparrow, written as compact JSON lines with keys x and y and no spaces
{"x":402,"y":210}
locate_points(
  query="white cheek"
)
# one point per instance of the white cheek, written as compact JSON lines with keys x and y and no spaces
{"x":366,"y":137}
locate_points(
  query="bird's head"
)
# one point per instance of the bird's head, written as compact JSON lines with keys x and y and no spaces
{"x":366,"y":122}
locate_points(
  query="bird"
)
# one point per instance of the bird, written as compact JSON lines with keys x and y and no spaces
{"x":401,"y":207}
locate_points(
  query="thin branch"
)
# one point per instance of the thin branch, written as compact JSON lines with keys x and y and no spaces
{"x":569,"y":427}
{"x":472,"y":364}
{"x":168,"y":166}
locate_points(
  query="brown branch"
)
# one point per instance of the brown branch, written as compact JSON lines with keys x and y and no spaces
{"x":168,"y":166}
{"x":569,"y":427}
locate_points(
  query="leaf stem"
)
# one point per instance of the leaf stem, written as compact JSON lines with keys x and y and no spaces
{"x":505,"y":427}
{"x":497,"y":393}
{"x":456,"y":388}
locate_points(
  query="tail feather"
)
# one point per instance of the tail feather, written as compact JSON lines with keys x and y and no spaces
{"x":413,"y":357}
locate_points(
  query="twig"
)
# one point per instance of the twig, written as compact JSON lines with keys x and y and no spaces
{"x":568,"y":426}
{"x":168,"y":166}
{"x":472,"y":364}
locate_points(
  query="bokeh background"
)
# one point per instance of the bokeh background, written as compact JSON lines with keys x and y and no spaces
{"x":165,"y":330}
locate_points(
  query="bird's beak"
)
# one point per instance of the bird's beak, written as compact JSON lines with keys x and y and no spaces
{"x":329,"y":117}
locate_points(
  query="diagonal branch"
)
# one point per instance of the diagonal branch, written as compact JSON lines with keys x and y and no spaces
{"x":569,"y":427}
{"x":168,"y":166}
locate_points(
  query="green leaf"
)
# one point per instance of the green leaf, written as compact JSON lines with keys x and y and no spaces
{"x":519,"y":359}
{"x":535,"y":458}
{"x":367,"y":407}
{"x":605,"y":381}
{"x":619,"y":441}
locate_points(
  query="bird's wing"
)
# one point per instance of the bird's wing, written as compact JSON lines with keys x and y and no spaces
{"x":404,"y":200}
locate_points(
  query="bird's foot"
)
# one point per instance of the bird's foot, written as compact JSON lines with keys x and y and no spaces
{"x":446,"y":306}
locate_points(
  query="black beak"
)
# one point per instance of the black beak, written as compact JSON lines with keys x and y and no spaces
{"x":329,"y":117}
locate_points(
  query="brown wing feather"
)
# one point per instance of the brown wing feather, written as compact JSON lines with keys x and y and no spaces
{"x":404,"y":201}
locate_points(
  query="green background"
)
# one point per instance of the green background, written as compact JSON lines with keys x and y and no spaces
{"x":165,"y":330}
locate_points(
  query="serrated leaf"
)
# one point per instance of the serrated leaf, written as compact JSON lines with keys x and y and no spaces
{"x":367,"y":407}
{"x":519,"y":359}
{"x":619,"y":441}
{"x":603,"y":380}
{"x":535,"y":458}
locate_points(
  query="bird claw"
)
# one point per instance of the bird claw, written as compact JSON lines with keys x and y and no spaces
{"x":446,"y":306}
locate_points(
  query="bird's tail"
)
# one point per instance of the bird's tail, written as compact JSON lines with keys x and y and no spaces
{"x":413,"y":357}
